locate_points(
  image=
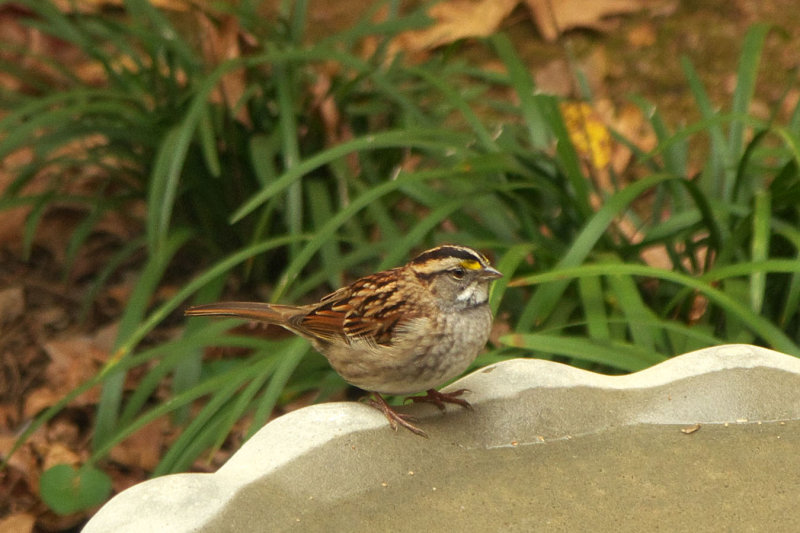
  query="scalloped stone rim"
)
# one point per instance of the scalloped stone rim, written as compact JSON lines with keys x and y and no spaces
{"x":192,"y":502}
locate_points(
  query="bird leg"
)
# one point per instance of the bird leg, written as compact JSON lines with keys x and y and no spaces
{"x":394,"y":417}
{"x":440,"y":398}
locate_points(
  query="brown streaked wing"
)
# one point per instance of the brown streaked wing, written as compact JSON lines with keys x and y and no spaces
{"x":360,"y":310}
{"x":322,"y":323}
{"x":326,"y":319}
{"x":375,"y":308}
{"x":376,"y":330}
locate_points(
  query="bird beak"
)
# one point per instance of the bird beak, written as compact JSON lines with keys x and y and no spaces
{"x":491,"y":273}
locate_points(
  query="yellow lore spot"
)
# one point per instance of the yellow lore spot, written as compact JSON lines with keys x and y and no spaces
{"x":471,"y":265}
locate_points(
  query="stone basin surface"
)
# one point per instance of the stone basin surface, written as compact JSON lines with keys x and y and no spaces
{"x":706,"y":441}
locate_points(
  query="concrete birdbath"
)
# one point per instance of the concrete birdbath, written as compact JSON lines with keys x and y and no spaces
{"x":709,"y":440}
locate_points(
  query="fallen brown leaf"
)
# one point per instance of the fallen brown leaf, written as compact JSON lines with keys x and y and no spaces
{"x":57,"y":454}
{"x":555,"y":78}
{"x":629,"y":121}
{"x":455,"y":19}
{"x":699,"y":308}
{"x":337,"y":131}
{"x":143,"y":449}
{"x":642,"y":35}
{"x":65,"y":430}
{"x":24,"y":461}
{"x":220,"y":42}
{"x":72,"y":362}
{"x":553,"y":17}
{"x":14,"y":219}
{"x":17,"y":523}
{"x":12,"y":304}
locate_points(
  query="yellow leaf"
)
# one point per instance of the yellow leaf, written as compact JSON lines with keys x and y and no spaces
{"x":588,"y":133}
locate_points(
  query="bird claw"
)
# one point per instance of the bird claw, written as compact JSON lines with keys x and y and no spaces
{"x":394,"y":417}
{"x":432,"y":396}
{"x":440,"y":398}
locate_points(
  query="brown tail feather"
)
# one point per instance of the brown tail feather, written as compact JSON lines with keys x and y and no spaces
{"x":274,"y":314}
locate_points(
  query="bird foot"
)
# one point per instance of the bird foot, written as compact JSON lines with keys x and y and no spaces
{"x":440,"y":398}
{"x":394,"y":417}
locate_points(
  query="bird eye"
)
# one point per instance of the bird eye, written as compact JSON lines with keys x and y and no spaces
{"x":458,"y":272}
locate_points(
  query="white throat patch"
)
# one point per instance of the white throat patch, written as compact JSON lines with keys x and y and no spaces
{"x":473,"y":294}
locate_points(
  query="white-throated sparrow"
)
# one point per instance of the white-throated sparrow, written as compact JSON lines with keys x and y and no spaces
{"x":400,"y":331}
